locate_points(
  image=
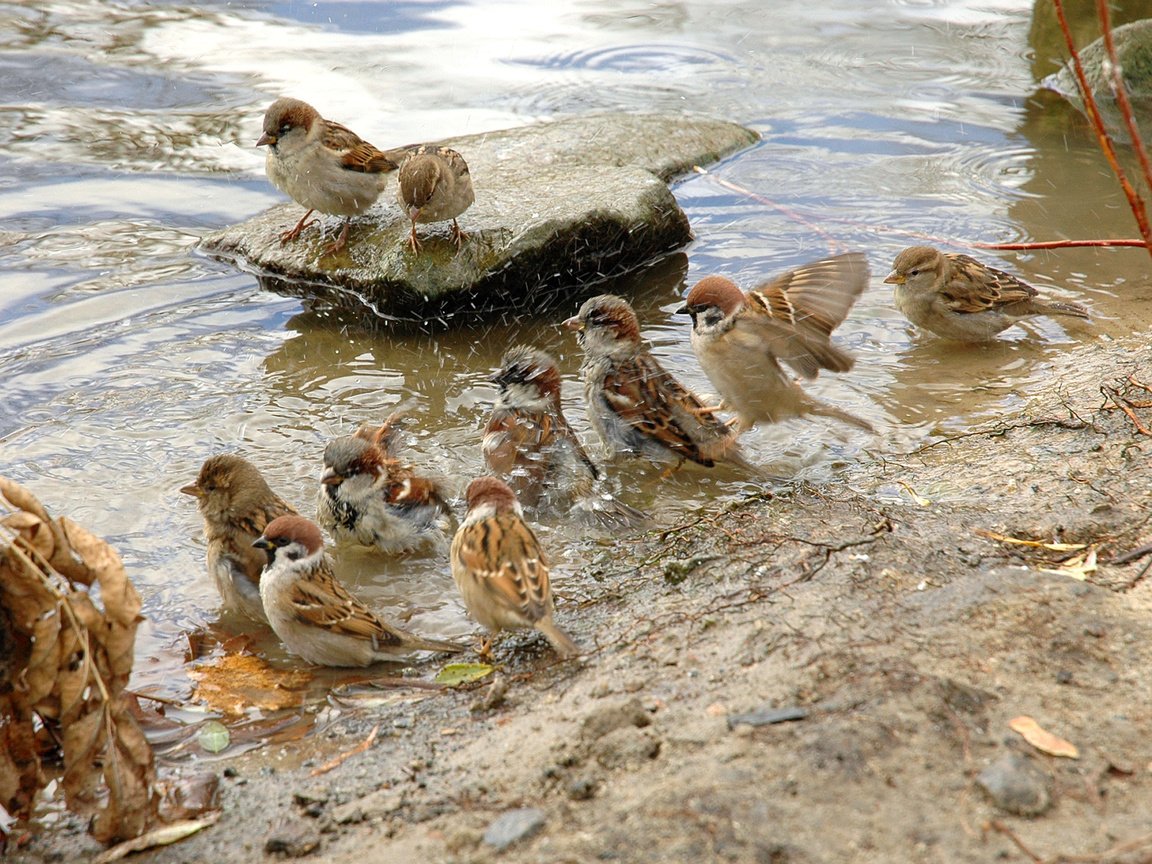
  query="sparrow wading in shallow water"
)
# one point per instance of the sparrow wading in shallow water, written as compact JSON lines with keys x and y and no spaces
{"x":500,"y":568}
{"x":957,"y":297}
{"x":314,"y":615}
{"x":434,"y":186}
{"x":529,"y":444}
{"x":741,"y":339}
{"x":322,"y":165}
{"x":636,"y":407}
{"x":369,"y":496}
{"x":236,"y":504}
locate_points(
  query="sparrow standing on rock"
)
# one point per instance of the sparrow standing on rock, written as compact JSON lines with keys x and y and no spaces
{"x":500,"y":569}
{"x":529,"y":443}
{"x":370,"y":497}
{"x":237,"y":505}
{"x":957,"y":297}
{"x":434,"y":186}
{"x":313,"y":613}
{"x":635,"y":406}
{"x":322,"y":165}
{"x":741,"y":339}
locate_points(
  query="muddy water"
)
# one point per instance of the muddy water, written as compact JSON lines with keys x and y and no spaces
{"x":127,"y":132}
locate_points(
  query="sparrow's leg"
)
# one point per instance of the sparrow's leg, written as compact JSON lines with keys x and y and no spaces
{"x":484,"y":652}
{"x":413,"y":240}
{"x":458,"y":235}
{"x":712,"y":409}
{"x":341,"y":241}
{"x":300,"y":226}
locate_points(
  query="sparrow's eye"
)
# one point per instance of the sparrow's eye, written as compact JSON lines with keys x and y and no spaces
{"x":915,"y":272}
{"x":284,"y":129}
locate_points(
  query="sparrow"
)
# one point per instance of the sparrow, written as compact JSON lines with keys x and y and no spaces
{"x":370,"y":497}
{"x":314,"y":614}
{"x":500,"y":569}
{"x":434,"y":186}
{"x":322,"y":165}
{"x":237,"y":505}
{"x":530,"y":445}
{"x":741,"y":339}
{"x":957,"y":297}
{"x":634,"y":404}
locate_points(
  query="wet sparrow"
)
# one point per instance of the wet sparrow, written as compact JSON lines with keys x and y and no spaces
{"x":434,"y":185}
{"x":322,"y":165}
{"x":957,"y":297}
{"x":500,"y":569}
{"x":635,"y":406}
{"x":368,"y":496}
{"x":530,"y":445}
{"x":741,"y":339}
{"x":314,"y":614}
{"x":237,"y":505}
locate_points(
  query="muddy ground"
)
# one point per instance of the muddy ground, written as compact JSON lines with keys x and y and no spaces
{"x":870,"y":609}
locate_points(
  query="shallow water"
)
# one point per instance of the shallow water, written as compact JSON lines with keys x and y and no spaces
{"x":127,"y":132}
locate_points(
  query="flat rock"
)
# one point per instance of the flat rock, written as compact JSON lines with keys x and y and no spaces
{"x":513,"y":826}
{"x":1016,"y":786}
{"x":561,"y":204}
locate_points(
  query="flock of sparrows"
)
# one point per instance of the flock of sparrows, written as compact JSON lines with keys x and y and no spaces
{"x":270,"y":563}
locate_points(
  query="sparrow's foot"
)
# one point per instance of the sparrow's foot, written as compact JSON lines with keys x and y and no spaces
{"x":712,"y":409}
{"x":484,"y":652}
{"x":458,"y":236}
{"x":414,"y":244}
{"x":341,"y":241}
{"x":285,"y":236}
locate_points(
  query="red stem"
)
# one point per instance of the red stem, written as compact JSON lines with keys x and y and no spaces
{"x":1107,"y":147}
{"x":1120,"y":91}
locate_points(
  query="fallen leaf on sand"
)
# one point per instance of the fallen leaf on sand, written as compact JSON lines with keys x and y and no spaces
{"x":1037,"y":544}
{"x":1041,"y":739}
{"x":455,"y":674}
{"x":236,"y":682}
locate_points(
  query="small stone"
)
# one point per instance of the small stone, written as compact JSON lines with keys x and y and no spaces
{"x":376,"y":805}
{"x":766,"y":717}
{"x":582,"y":789}
{"x":1016,"y":786}
{"x":292,"y":839}
{"x":513,"y":826}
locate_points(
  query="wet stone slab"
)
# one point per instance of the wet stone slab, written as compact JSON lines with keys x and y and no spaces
{"x":560,"y":207}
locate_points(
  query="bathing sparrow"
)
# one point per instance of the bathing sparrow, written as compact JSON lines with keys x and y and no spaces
{"x":434,"y":185}
{"x":634,"y":404}
{"x":741,"y":339}
{"x":529,"y":444}
{"x":314,"y":614}
{"x":957,"y":297}
{"x":368,"y":496}
{"x":237,"y":505}
{"x":500,"y":569}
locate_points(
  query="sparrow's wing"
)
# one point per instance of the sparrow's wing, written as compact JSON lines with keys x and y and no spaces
{"x":356,"y":154}
{"x":243,"y":531}
{"x":516,"y":439}
{"x":564,"y":433}
{"x":502,"y":553}
{"x":793,"y":315}
{"x":654,"y":404}
{"x":320,"y":601}
{"x":975,"y":287}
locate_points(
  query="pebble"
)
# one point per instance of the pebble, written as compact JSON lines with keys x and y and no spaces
{"x":513,"y":826}
{"x":766,"y":717}
{"x":1016,"y":786}
{"x":607,"y":718}
{"x":292,"y":839}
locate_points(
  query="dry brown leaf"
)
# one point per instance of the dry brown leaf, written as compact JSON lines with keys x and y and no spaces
{"x":162,"y":836}
{"x":72,"y":660}
{"x":1041,"y":739}
{"x":236,"y":682}
{"x":1078,"y":567}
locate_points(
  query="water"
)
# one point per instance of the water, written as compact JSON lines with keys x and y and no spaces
{"x":127,"y":132}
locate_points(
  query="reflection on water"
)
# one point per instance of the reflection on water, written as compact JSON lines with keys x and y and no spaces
{"x":127,"y":359}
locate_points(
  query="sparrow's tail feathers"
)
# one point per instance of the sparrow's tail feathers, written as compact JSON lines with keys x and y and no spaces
{"x":560,"y":640}
{"x":823,"y":409}
{"x":1058,"y":307}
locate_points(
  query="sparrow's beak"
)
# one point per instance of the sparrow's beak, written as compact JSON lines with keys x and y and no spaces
{"x":684,"y":310}
{"x":895,"y":278}
{"x":266,"y":138}
{"x":263,"y":543}
{"x":331,"y":478}
{"x":192,"y":489}
{"x":574,"y":323}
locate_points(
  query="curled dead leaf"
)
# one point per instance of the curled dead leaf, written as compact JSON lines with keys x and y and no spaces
{"x":1041,"y":739}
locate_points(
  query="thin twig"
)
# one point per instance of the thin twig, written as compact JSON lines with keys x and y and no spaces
{"x":347,"y":754}
{"x":1120,"y":91}
{"x":1107,"y":147}
{"x":1000,"y":827}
